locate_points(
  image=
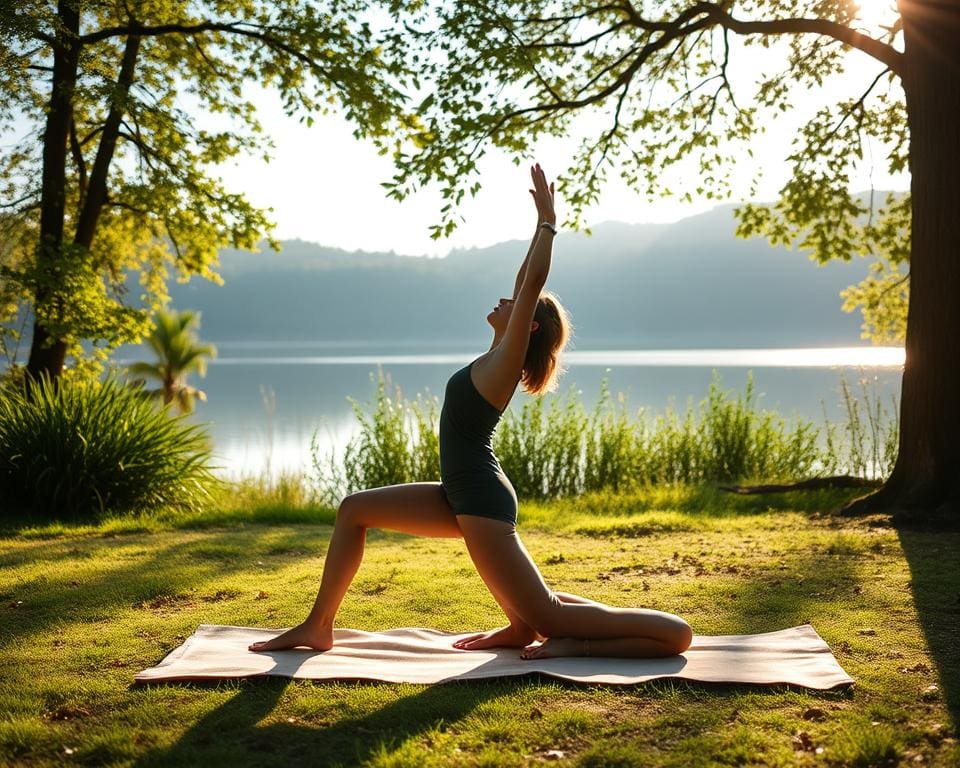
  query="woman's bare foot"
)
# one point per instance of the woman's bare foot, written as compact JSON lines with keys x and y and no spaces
{"x":300,"y":636}
{"x":554,"y":647}
{"x":505,"y":637}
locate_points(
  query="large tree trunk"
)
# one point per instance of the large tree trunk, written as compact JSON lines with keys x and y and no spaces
{"x":47,"y":354}
{"x":96,"y":195}
{"x":925,"y":483}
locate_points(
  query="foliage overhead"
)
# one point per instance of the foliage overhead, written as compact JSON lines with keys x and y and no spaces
{"x":669,"y":79}
{"x":173,"y":84}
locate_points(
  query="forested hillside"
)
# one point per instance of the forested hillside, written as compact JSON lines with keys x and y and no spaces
{"x":688,"y":284}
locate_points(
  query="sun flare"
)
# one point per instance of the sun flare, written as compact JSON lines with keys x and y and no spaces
{"x":876,"y":13}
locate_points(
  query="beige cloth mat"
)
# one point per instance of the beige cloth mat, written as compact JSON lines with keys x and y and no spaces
{"x":796,"y":656}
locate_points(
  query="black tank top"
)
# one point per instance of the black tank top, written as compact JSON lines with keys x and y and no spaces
{"x":471,"y":477}
{"x":467,"y":423}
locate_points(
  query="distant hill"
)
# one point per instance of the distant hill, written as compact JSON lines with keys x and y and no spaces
{"x":686,"y":285}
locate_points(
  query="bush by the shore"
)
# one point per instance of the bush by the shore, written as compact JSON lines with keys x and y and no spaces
{"x":85,"y":448}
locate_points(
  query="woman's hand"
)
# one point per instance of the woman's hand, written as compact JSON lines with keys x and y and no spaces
{"x":542,"y":196}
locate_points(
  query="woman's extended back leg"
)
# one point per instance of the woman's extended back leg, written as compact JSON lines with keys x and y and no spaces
{"x":507,"y":569}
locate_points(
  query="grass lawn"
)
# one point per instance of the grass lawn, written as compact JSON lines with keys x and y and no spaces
{"x":83,"y":608}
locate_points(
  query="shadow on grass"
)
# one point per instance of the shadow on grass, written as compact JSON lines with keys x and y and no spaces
{"x":166,"y":575}
{"x":935,"y":584}
{"x":30,"y":527}
{"x":234,"y":733}
{"x":246,"y":730}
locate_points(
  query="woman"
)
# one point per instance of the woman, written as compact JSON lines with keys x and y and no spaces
{"x":475,"y":500}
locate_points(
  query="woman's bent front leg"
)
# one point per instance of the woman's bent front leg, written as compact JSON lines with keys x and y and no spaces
{"x":506,"y":568}
{"x":420,"y":509}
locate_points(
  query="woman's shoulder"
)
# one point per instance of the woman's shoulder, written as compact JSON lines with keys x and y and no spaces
{"x":494,"y":378}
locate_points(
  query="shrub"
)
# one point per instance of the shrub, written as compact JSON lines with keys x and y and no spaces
{"x":739,"y":441}
{"x":85,"y":448}
{"x":541,"y":447}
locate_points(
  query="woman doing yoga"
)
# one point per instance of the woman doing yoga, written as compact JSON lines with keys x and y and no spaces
{"x":476,"y":502}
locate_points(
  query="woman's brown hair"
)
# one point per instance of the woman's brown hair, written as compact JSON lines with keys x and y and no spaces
{"x":541,"y":367}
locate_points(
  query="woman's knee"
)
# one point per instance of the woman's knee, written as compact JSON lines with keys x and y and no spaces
{"x":350,"y":511}
{"x":680,"y":636}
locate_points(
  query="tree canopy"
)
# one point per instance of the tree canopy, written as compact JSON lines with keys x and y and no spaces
{"x":508,"y":73}
{"x":511,"y":72}
{"x":122,"y":113}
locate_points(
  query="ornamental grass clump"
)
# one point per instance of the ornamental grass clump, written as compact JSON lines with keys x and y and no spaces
{"x":83,"y":448}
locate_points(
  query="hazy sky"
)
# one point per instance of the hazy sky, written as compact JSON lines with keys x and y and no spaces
{"x":324,"y":185}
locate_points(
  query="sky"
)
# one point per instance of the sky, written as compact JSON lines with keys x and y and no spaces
{"x":324,"y":185}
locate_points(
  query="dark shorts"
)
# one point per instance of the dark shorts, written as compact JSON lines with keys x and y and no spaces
{"x":485,"y":494}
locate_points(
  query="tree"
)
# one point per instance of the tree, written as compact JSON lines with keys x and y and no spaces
{"x":179,"y":353}
{"x":509,"y":73}
{"x":116,"y":176}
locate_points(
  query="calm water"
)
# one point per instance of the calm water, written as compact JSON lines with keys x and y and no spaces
{"x":267,"y":400}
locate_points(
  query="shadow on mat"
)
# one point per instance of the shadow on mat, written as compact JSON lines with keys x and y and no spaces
{"x":234,"y":732}
{"x":935,"y":584}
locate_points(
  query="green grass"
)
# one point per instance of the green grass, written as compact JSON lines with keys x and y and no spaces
{"x":83,"y":608}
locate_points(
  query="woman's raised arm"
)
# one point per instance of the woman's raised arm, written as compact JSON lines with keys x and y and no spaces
{"x":495,"y":375}
{"x":512,"y":349}
{"x":518,"y":284}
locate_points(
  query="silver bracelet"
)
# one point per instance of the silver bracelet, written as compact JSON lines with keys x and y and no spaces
{"x":548,"y":225}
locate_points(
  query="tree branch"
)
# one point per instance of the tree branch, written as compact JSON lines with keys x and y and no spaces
{"x":717,"y":12}
{"x":580,"y":43}
{"x":243,"y":28}
{"x":814,"y":483}
{"x":43,"y":37}
{"x":92,"y":202}
{"x":858,"y":104}
{"x":534,"y":20}
{"x":883,"y":52}
{"x":679,"y":30}
{"x":77,"y":152}
{"x":29,"y":196}
{"x":161,"y":29}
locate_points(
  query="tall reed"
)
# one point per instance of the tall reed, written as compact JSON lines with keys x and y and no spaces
{"x":866,"y":443}
{"x":553,"y":447}
{"x":397,"y":443}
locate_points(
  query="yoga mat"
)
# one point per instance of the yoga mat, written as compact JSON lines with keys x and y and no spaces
{"x":796,"y":656}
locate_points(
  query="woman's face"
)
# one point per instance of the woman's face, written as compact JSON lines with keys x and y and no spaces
{"x":501,"y":315}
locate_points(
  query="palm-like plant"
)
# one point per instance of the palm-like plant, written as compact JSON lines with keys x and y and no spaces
{"x":179,"y":353}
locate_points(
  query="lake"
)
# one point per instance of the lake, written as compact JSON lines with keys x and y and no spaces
{"x":266,"y":400}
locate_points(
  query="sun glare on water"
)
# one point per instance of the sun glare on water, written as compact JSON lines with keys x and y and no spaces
{"x":819,"y":357}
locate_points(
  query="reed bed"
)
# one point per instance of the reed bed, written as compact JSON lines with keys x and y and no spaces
{"x":556,"y":447}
